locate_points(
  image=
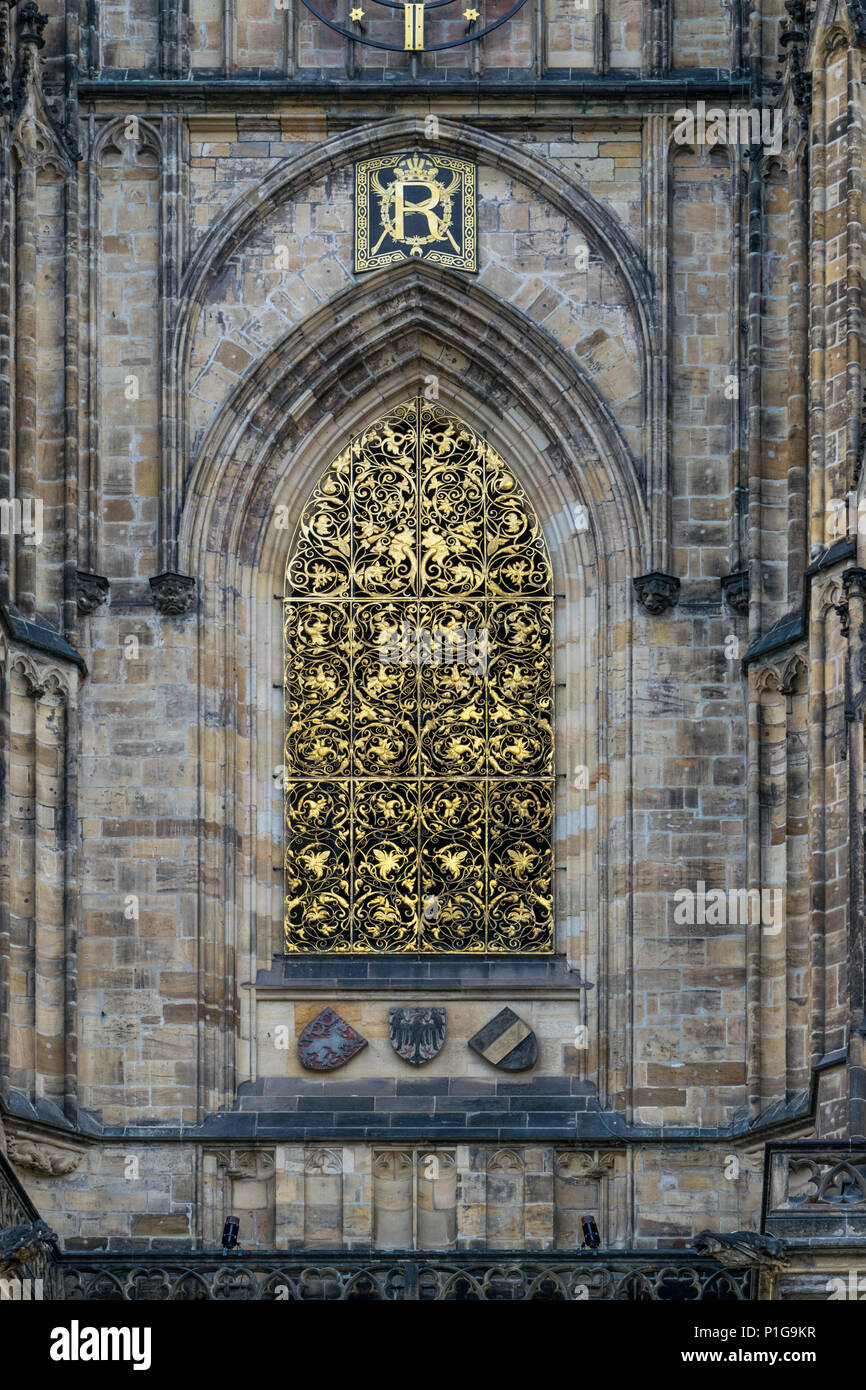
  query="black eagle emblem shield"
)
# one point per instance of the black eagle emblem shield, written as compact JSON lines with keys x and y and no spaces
{"x":417,"y":1034}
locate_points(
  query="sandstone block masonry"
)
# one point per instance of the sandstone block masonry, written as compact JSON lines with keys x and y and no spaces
{"x":662,"y":340}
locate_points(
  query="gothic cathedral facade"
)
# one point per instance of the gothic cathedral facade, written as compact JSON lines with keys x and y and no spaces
{"x":432,"y":648}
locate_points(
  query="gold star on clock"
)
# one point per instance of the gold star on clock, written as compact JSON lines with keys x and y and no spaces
{"x":470,"y":15}
{"x":356,"y":16}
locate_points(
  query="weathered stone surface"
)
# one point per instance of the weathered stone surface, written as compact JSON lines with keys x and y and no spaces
{"x":188,"y":347}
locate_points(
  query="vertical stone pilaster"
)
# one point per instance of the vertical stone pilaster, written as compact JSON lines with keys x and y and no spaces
{"x":71,"y":904}
{"x":211,"y":1201}
{"x":798,"y":364}
{"x":471,"y":1196}
{"x":818,"y":253}
{"x":290,"y":38}
{"x":6,"y":326}
{"x":773,"y":880}
{"x":505,"y":1198}
{"x":22,"y":894}
{"x":49,"y":955}
{"x":323,"y":1198}
{"x":539,"y":1198}
{"x":229,"y":32}
{"x":796,"y":925}
{"x":656,"y":56}
{"x":854,"y":582}
{"x":539,"y":38}
{"x":358,"y":1197}
{"x":658,"y":227}
{"x":25,"y":367}
{"x":600,"y":39}
{"x":173,"y":45}
{"x":5,"y":742}
{"x":71,"y":359}
{"x":172,"y":241}
{"x":289,"y":1197}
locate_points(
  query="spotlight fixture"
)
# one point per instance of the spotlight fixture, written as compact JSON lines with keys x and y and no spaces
{"x":230,"y":1234}
{"x":591,"y":1237}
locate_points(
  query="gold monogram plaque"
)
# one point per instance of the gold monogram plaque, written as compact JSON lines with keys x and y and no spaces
{"x":417,"y":206}
{"x":418,"y":696}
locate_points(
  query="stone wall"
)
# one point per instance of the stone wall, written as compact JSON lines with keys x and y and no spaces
{"x":394,"y":1196}
{"x":662,"y":337}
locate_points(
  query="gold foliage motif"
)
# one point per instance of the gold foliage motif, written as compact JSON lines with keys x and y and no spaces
{"x":418,"y":688}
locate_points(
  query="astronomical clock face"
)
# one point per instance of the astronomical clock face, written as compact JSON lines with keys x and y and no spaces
{"x":412,"y":23}
{"x":418,"y":206}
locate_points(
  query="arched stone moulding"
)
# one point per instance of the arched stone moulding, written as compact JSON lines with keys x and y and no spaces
{"x":113,"y":133}
{"x":265,"y":452}
{"x":252,"y":303}
{"x":288,"y":178}
{"x":477,"y":347}
{"x":40,"y":676}
{"x":291,"y":177}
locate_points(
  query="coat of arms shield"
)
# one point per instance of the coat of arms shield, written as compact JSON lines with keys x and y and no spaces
{"x":507,"y":1042}
{"x":417,"y":1034}
{"x":328,"y":1041}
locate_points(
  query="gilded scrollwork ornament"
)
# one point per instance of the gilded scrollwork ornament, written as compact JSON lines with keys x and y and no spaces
{"x":418,"y":686}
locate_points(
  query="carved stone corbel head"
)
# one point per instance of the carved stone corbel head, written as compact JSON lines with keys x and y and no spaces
{"x":656,"y":592}
{"x":173,"y":594}
{"x":735,"y":590}
{"x":92,"y":591}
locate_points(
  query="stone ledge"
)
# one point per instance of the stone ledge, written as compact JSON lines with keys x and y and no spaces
{"x":323,"y":84}
{"x":40,"y":1109}
{"x":277,"y":1117}
{"x":39,"y":635}
{"x":467,"y":1087}
{"x":401,"y":974}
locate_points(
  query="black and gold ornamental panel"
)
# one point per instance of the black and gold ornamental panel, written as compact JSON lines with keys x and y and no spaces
{"x":417,"y":206}
{"x":418,"y":692}
{"x":418,"y":26}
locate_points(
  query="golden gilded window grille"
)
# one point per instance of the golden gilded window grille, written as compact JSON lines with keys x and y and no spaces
{"x":418,"y":697}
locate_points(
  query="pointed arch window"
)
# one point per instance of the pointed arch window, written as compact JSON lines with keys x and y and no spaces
{"x":418,"y":698}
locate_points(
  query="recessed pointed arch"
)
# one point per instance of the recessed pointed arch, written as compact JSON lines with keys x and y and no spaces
{"x":287,"y":179}
{"x":293,"y":412}
{"x":417,"y":321}
{"x":601,"y":229}
{"x":418,"y":622}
